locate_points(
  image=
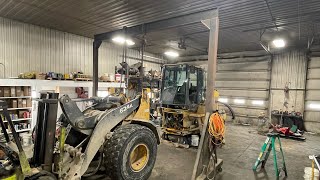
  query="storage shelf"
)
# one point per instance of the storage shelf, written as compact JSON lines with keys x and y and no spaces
{"x":17,"y":97}
{"x":21,"y":130}
{"x":9,"y":109}
{"x":21,"y":119}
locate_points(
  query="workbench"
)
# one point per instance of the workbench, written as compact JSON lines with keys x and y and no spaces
{"x":289,"y":120}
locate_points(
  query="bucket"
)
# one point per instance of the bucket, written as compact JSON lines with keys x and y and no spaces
{"x":26,"y":139}
{"x":195,"y":140}
{"x":308,"y":173}
{"x":118,"y":77}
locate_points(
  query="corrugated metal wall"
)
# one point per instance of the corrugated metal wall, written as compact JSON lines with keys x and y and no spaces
{"x":312,"y":98}
{"x":244,"y":81}
{"x":25,"y":47}
{"x":288,"y":68}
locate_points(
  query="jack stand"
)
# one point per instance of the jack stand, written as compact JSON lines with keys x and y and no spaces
{"x":269,"y":144}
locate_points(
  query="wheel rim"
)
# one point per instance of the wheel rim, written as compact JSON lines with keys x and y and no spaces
{"x":139,"y":157}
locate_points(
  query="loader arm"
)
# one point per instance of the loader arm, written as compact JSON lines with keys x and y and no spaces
{"x":105,"y":122}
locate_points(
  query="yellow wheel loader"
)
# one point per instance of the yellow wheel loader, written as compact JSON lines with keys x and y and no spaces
{"x":114,"y":132}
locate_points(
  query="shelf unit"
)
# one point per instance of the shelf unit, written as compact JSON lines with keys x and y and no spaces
{"x":60,"y":86}
{"x":19,"y":131}
{"x":21,"y":119}
{"x":17,"y":97}
{"x":12,"y":109}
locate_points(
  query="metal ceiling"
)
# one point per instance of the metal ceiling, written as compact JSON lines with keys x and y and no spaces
{"x":241,"y":21}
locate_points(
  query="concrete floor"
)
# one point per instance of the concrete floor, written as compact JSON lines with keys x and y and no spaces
{"x":239,"y":154}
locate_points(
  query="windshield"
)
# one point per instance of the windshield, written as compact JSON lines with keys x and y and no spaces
{"x":175,"y":76}
{"x":174,"y":85}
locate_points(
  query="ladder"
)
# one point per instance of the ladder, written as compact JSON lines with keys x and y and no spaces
{"x":269,"y":145}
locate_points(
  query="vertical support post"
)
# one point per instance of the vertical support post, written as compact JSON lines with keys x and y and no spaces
{"x":51,"y":119}
{"x":142,"y":56}
{"x":96,"y":45}
{"x":38,"y":152}
{"x":203,"y":154}
{"x":212,"y":63}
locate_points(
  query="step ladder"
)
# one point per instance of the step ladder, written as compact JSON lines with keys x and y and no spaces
{"x":269,"y":145}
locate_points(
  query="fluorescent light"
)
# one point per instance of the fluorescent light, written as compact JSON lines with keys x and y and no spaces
{"x":129,"y":42}
{"x":279,"y":43}
{"x":257,"y":102}
{"x":239,"y":101}
{"x":103,"y":93}
{"x":119,"y":39}
{"x":171,"y":53}
{"x":314,"y":106}
{"x":122,"y":40}
{"x":224,"y":100}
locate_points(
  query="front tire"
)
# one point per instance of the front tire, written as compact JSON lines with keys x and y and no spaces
{"x":130,"y":153}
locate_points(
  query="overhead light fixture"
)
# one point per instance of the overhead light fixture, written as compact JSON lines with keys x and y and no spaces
{"x":171,"y":54}
{"x":279,"y":43}
{"x":257,"y":102}
{"x":122,"y":40}
{"x":224,"y":100}
{"x":239,"y":101}
{"x":129,"y":42}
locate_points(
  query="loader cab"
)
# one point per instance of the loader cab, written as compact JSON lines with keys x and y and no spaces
{"x":182,"y":86}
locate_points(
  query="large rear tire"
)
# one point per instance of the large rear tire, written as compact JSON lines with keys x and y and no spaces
{"x":130,"y":153}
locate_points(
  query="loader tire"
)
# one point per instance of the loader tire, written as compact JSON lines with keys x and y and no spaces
{"x":130,"y":153}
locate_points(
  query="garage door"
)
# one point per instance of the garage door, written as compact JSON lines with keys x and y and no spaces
{"x":312,"y":100}
{"x":243,"y":81}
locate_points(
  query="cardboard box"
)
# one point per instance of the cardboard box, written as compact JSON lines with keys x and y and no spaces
{"x":19,"y":91}
{"x":29,"y":102}
{"x":1,"y":92}
{"x":20,"y":104}
{"x":13,"y":91}
{"x":14,"y":103}
{"x":6,"y":92}
{"x":26,"y":91}
{"x":24,"y":103}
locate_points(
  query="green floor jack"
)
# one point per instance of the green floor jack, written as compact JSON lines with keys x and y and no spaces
{"x":269,"y":145}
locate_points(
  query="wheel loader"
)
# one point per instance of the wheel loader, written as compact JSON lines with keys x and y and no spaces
{"x":113,"y":132}
{"x":182,"y":101}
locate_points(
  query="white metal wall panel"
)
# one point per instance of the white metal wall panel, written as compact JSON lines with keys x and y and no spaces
{"x":245,"y":84}
{"x":25,"y":47}
{"x":313,"y":95}
{"x":289,"y":67}
{"x":312,"y":113}
{"x":248,"y":78}
{"x":248,"y":94}
{"x":245,"y":66}
{"x":242,"y":75}
{"x":313,"y":84}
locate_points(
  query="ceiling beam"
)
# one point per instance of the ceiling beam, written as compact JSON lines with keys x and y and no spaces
{"x":161,"y":24}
